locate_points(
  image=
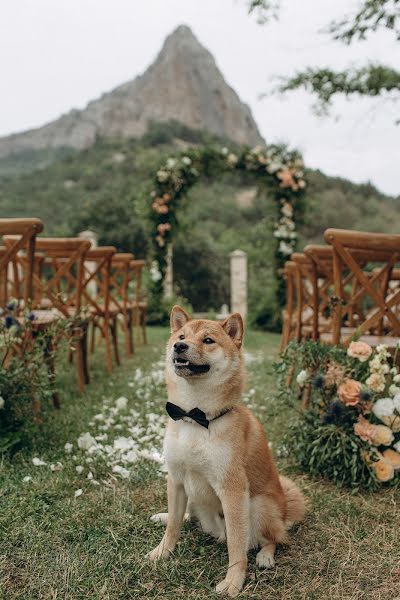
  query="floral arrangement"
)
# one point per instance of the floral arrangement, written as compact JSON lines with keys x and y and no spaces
{"x":350,"y":430}
{"x":280,"y":169}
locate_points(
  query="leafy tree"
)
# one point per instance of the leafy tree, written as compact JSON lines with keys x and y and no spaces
{"x":370,"y":80}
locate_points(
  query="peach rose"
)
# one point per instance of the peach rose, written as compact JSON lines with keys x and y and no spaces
{"x":365,"y":430}
{"x":383,"y":470}
{"x":349,"y":392}
{"x":383,"y":436}
{"x":392,"y":422}
{"x":359,"y":350}
{"x":393,"y":457}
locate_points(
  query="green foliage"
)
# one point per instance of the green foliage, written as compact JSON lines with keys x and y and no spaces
{"x":371,"y":80}
{"x":373,"y":15}
{"x":105,"y":188}
{"x":26,"y":385}
{"x":329,"y":451}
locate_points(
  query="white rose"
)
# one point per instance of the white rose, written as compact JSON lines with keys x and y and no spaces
{"x":186,"y":160}
{"x":396,"y":402}
{"x":394,"y":389}
{"x":397,"y":446}
{"x":2,"y":402}
{"x":302,"y":378}
{"x":384,"y":407}
{"x":171,"y":162}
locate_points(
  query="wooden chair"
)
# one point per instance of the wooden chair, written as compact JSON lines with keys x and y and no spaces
{"x":304,"y":295}
{"x":139,"y":305}
{"x":15,"y":281}
{"x":370,"y":259}
{"x":120,"y":303}
{"x":58,"y":283}
{"x":97,"y":297}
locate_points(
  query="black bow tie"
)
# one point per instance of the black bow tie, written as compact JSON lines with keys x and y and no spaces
{"x":176,"y":413}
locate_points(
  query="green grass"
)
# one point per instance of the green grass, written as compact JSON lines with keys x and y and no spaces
{"x":53,"y":545}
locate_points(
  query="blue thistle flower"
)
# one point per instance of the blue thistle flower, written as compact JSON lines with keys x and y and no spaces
{"x":318,"y":381}
{"x":334,"y":411}
{"x":8,"y":321}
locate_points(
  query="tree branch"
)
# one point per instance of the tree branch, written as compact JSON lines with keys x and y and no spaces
{"x":372,"y":80}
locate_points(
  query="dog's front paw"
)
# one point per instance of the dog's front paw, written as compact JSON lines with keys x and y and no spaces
{"x":232,"y":584}
{"x":161,"y":551}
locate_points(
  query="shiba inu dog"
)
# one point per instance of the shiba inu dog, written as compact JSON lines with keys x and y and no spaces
{"x":220,"y":468}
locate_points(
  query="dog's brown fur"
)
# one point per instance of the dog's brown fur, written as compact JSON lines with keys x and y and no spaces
{"x":224,"y":476}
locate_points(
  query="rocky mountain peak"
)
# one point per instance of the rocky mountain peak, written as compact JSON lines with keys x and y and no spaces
{"x":183,"y":84}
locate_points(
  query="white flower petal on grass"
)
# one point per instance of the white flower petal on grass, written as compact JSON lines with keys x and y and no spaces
{"x":38,"y":462}
{"x":121,"y":403}
{"x":78,"y":493}
{"x":130,"y":457}
{"x":56,"y":467}
{"x":94,"y":481}
{"x":85,"y":441}
{"x":123,"y":443}
{"x":90,"y":475}
{"x":153,"y":455}
{"x":121,"y":471}
{"x":27,"y":478}
{"x":79,"y":469}
{"x":68,"y":447}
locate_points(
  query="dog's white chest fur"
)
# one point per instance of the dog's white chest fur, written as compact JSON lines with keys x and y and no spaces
{"x":192,"y":449}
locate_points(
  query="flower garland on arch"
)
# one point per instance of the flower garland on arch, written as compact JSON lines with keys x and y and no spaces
{"x":280,"y":169}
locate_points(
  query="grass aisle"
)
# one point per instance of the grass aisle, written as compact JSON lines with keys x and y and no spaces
{"x":77,"y":527}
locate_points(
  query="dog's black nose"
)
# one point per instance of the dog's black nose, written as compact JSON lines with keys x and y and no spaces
{"x":180,"y":347}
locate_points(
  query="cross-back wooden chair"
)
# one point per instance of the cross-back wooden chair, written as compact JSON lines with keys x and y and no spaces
{"x":60,"y":262}
{"x":15,"y":282}
{"x":288,"y":313}
{"x":138,"y":304}
{"x":304,"y":294}
{"x":370,"y":258}
{"x":120,"y":302}
{"x":97,"y":297}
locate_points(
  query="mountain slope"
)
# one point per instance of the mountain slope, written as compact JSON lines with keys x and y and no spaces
{"x":183,"y":84}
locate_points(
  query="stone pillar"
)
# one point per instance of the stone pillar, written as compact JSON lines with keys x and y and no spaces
{"x":169,"y":276}
{"x":89,"y":265}
{"x":239,"y":282}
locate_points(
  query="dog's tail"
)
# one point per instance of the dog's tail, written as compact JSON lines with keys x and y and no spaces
{"x":295,"y":501}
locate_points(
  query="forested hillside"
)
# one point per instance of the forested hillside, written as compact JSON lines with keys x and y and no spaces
{"x":105,"y":188}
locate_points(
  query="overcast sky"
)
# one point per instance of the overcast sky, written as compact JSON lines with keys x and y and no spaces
{"x":59,"y":54}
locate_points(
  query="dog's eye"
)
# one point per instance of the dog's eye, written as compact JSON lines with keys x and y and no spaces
{"x":182,"y":337}
{"x":208,"y":340}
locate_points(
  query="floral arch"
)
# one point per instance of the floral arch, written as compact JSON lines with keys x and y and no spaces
{"x":280,"y":169}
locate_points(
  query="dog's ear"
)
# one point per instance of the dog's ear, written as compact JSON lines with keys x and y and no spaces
{"x":178,"y":318}
{"x":233,"y":326}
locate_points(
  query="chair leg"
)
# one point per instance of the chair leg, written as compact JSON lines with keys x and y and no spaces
{"x":114,"y":331}
{"x":107,"y":338}
{"x":128,"y":333}
{"x":80,"y":370}
{"x":49,"y":358}
{"x":143,"y":320}
{"x":84,"y":342}
{"x":93,"y":337}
